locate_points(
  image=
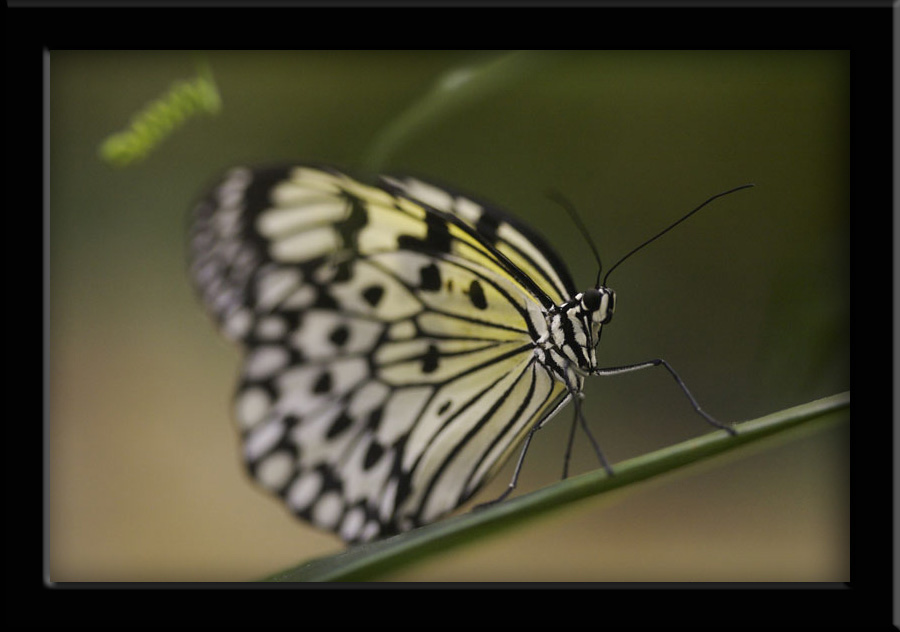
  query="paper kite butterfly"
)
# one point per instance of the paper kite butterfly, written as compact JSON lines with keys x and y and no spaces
{"x":401,"y":340}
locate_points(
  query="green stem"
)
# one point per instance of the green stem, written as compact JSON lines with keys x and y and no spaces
{"x":452,"y":92}
{"x":370,"y":561}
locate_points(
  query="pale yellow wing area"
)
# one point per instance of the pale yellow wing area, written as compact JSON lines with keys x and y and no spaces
{"x":390,"y":365}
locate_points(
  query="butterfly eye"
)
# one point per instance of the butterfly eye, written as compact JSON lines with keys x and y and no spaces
{"x":591,"y":299}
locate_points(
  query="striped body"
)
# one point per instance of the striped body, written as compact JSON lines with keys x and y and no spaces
{"x":400,"y":340}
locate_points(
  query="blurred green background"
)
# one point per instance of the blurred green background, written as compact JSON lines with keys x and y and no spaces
{"x":748,"y":300}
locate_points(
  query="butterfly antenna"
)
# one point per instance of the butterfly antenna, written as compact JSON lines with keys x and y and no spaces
{"x":564,"y":202}
{"x":673,"y":225}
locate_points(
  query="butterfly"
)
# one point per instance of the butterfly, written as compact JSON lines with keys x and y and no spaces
{"x":400,"y":340}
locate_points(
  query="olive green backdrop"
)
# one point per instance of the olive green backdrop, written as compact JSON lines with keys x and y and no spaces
{"x":748,"y":300}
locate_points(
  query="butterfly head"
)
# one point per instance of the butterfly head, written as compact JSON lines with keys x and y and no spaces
{"x":598,"y":304}
{"x":575,"y":327}
{"x":594,"y":308}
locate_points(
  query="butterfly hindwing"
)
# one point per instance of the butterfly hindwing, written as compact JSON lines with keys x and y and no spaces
{"x":389,"y":334}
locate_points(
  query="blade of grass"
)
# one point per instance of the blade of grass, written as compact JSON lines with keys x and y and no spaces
{"x":369,"y":561}
{"x":453,"y":91}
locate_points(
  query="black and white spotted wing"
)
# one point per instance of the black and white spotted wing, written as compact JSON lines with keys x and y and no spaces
{"x":400,"y":341}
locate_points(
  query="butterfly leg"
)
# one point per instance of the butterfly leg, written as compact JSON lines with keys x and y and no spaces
{"x":565,"y":473}
{"x":579,"y":418}
{"x":684,"y":389}
{"x":515,"y":478}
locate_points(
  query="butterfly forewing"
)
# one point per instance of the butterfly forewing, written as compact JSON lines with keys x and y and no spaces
{"x":520,"y":244}
{"x":389,"y":336}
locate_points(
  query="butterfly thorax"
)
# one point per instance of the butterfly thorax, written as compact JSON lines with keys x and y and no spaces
{"x":573,"y":332}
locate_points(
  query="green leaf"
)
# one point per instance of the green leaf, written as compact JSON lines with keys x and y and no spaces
{"x":371,"y":561}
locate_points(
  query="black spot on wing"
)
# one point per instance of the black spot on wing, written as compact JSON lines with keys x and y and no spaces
{"x":430,"y":278}
{"x":430,"y":360}
{"x":324,"y":300}
{"x":339,"y":335}
{"x":437,"y":237}
{"x":343,"y":271}
{"x":476,"y":295}
{"x":373,"y":455}
{"x":323,"y":384}
{"x":375,"y":419}
{"x":339,"y":425}
{"x":373,"y":295}
{"x":487,"y":225}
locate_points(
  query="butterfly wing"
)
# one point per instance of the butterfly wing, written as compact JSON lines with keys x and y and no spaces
{"x":389,"y":339}
{"x":524,"y":248}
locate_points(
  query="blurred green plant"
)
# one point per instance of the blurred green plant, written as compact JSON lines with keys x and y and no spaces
{"x":372,"y":561}
{"x":161,"y":116}
{"x":454,"y":90}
